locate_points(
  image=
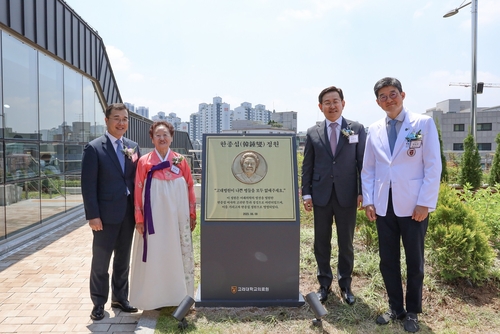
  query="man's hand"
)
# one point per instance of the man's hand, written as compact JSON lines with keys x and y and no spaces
{"x":95,"y":224}
{"x":192,"y":224}
{"x":370,"y":212}
{"x":308,"y":204}
{"x":360,"y":202}
{"x":420,"y":213}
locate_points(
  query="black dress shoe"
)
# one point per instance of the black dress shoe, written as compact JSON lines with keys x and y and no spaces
{"x":124,"y":306}
{"x":348,"y":296}
{"x":411,"y":323}
{"x":323,"y":293}
{"x":97,"y":312}
{"x":389,"y":316}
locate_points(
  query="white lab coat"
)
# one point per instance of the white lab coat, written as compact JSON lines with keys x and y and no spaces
{"x":414,"y":178}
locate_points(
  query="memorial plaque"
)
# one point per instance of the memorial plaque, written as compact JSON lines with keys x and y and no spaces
{"x":250,"y":222}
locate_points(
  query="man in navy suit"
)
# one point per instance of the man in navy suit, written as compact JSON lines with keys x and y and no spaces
{"x":108,"y":172}
{"x":401,"y":176}
{"x":333,"y":157}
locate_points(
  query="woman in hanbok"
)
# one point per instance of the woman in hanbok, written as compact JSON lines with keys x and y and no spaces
{"x":162,"y":271}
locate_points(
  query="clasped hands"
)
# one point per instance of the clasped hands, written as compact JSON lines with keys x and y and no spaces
{"x":140,"y":226}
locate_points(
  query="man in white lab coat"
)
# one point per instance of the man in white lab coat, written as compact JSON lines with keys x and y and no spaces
{"x":400,"y":179}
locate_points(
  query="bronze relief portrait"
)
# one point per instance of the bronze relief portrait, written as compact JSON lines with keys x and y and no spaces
{"x":249,"y":167}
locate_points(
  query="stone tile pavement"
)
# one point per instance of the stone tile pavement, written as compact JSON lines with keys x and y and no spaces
{"x":44,"y":287}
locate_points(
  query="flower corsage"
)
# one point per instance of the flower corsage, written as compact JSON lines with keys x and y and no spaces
{"x":177,"y":160}
{"x":414,"y":140}
{"x":347,"y":132}
{"x":128,"y":151}
{"x":350,"y":135}
{"x":412,"y":136}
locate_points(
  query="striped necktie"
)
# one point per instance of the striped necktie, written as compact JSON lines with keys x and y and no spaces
{"x":120,"y":154}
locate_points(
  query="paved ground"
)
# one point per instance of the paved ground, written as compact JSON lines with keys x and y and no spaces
{"x":44,"y":287}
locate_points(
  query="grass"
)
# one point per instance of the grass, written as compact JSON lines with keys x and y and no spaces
{"x":448,"y":308}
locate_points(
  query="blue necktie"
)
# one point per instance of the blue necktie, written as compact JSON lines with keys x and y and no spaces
{"x":120,"y":154}
{"x":392,"y":133}
{"x":333,"y":138}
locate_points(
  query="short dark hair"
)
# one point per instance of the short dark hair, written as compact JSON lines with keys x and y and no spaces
{"x":115,"y":106}
{"x":329,"y":90}
{"x":156,"y":124}
{"x":385,"y":82}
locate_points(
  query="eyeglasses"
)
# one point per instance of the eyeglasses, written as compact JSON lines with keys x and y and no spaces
{"x":392,"y":95}
{"x":119,"y":120}
{"x":328,"y":104}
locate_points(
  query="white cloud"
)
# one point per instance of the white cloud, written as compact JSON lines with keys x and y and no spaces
{"x":318,"y":8}
{"x":295,"y":14}
{"x":136,"y":77}
{"x":117,"y":59}
{"x":421,"y":11}
{"x":488,"y":11}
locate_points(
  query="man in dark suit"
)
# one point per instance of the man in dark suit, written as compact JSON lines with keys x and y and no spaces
{"x":108,"y":172}
{"x":333,"y":157}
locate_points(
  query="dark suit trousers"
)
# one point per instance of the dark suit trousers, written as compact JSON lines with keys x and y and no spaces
{"x":115,"y":238}
{"x":391,"y":229}
{"x":345,"y":221}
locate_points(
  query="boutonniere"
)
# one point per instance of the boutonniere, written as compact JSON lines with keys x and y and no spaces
{"x":347,"y":132}
{"x":128,"y":151}
{"x":412,"y":136}
{"x":177,"y":160}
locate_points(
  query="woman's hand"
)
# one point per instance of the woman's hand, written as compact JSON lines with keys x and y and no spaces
{"x":140,"y":228}
{"x":192,"y":224}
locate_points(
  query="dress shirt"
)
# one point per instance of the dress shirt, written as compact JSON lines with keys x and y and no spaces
{"x":113,"y":140}
{"x":337,"y":130}
{"x":400,"y":118}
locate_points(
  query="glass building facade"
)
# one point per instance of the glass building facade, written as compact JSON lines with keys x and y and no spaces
{"x":49,"y":112}
{"x":55,"y":82}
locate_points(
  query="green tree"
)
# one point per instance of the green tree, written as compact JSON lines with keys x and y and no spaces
{"x":471,"y":171}
{"x":444,"y":170}
{"x":495,"y":166}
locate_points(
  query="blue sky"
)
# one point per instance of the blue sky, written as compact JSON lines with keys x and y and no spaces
{"x":171,"y":55}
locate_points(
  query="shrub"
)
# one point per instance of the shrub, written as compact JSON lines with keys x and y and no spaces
{"x":458,"y":240}
{"x":485,"y":202}
{"x":73,"y":183}
{"x":367,"y":231}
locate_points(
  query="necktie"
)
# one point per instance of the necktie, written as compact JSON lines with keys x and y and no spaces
{"x":392,"y":133}
{"x":120,"y":154}
{"x":333,"y":137}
